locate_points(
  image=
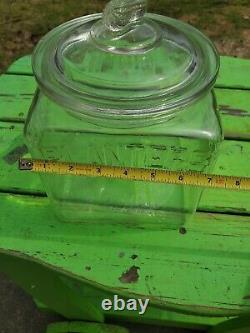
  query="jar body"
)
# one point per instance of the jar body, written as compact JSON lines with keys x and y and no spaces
{"x":186,"y":141}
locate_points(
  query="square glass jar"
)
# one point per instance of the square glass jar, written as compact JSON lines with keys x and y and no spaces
{"x":125,"y":89}
{"x":187,"y":140}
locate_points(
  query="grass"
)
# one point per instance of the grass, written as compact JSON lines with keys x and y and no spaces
{"x":24,"y":22}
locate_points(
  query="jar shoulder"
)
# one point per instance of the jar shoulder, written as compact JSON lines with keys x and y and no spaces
{"x":200,"y":119}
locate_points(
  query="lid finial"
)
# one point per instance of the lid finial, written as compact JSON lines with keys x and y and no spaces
{"x":121,"y":14}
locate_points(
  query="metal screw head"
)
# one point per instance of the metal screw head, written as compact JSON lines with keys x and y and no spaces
{"x":25,"y":165}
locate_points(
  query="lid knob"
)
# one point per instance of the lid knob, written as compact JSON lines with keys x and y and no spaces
{"x":119,"y":15}
{"x":124,"y":27}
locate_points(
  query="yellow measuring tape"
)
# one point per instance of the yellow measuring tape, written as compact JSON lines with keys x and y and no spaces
{"x":151,"y":175}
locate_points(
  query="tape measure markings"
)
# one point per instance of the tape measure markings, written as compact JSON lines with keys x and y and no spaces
{"x":152,"y":175}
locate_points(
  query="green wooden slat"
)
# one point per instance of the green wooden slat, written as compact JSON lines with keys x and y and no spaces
{"x":234,"y":157}
{"x":234,"y":106}
{"x":209,"y":264}
{"x":21,"y":66}
{"x":57,"y":289}
{"x":16,"y":94}
{"x":234,"y":72}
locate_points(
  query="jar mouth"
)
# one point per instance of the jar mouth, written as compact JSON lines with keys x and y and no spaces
{"x":101,"y":97}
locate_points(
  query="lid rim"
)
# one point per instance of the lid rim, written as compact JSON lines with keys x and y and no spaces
{"x":82,"y":107}
{"x":58,"y":90}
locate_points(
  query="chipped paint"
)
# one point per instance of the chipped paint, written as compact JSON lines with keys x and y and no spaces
{"x":130,"y":276}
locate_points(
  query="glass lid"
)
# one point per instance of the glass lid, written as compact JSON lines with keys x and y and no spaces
{"x":125,"y":61}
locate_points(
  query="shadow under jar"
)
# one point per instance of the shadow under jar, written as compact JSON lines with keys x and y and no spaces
{"x":125,"y":89}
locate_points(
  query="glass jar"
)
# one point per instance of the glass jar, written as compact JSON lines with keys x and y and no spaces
{"x":125,"y":89}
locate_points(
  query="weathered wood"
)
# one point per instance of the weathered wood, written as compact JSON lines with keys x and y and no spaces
{"x":234,"y":106}
{"x":204,"y":270}
{"x":21,"y":66}
{"x":212,"y":255}
{"x":16,"y":93}
{"x":234,"y":73}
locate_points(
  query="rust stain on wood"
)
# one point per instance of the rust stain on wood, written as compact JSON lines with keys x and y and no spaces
{"x":15,"y":154}
{"x":130,"y":276}
{"x":226,"y":109}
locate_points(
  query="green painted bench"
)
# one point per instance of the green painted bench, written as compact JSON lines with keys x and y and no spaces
{"x":198,"y":279}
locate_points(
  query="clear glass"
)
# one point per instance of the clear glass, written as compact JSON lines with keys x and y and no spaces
{"x":100,"y":103}
{"x":154,"y":65}
{"x":186,"y":141}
